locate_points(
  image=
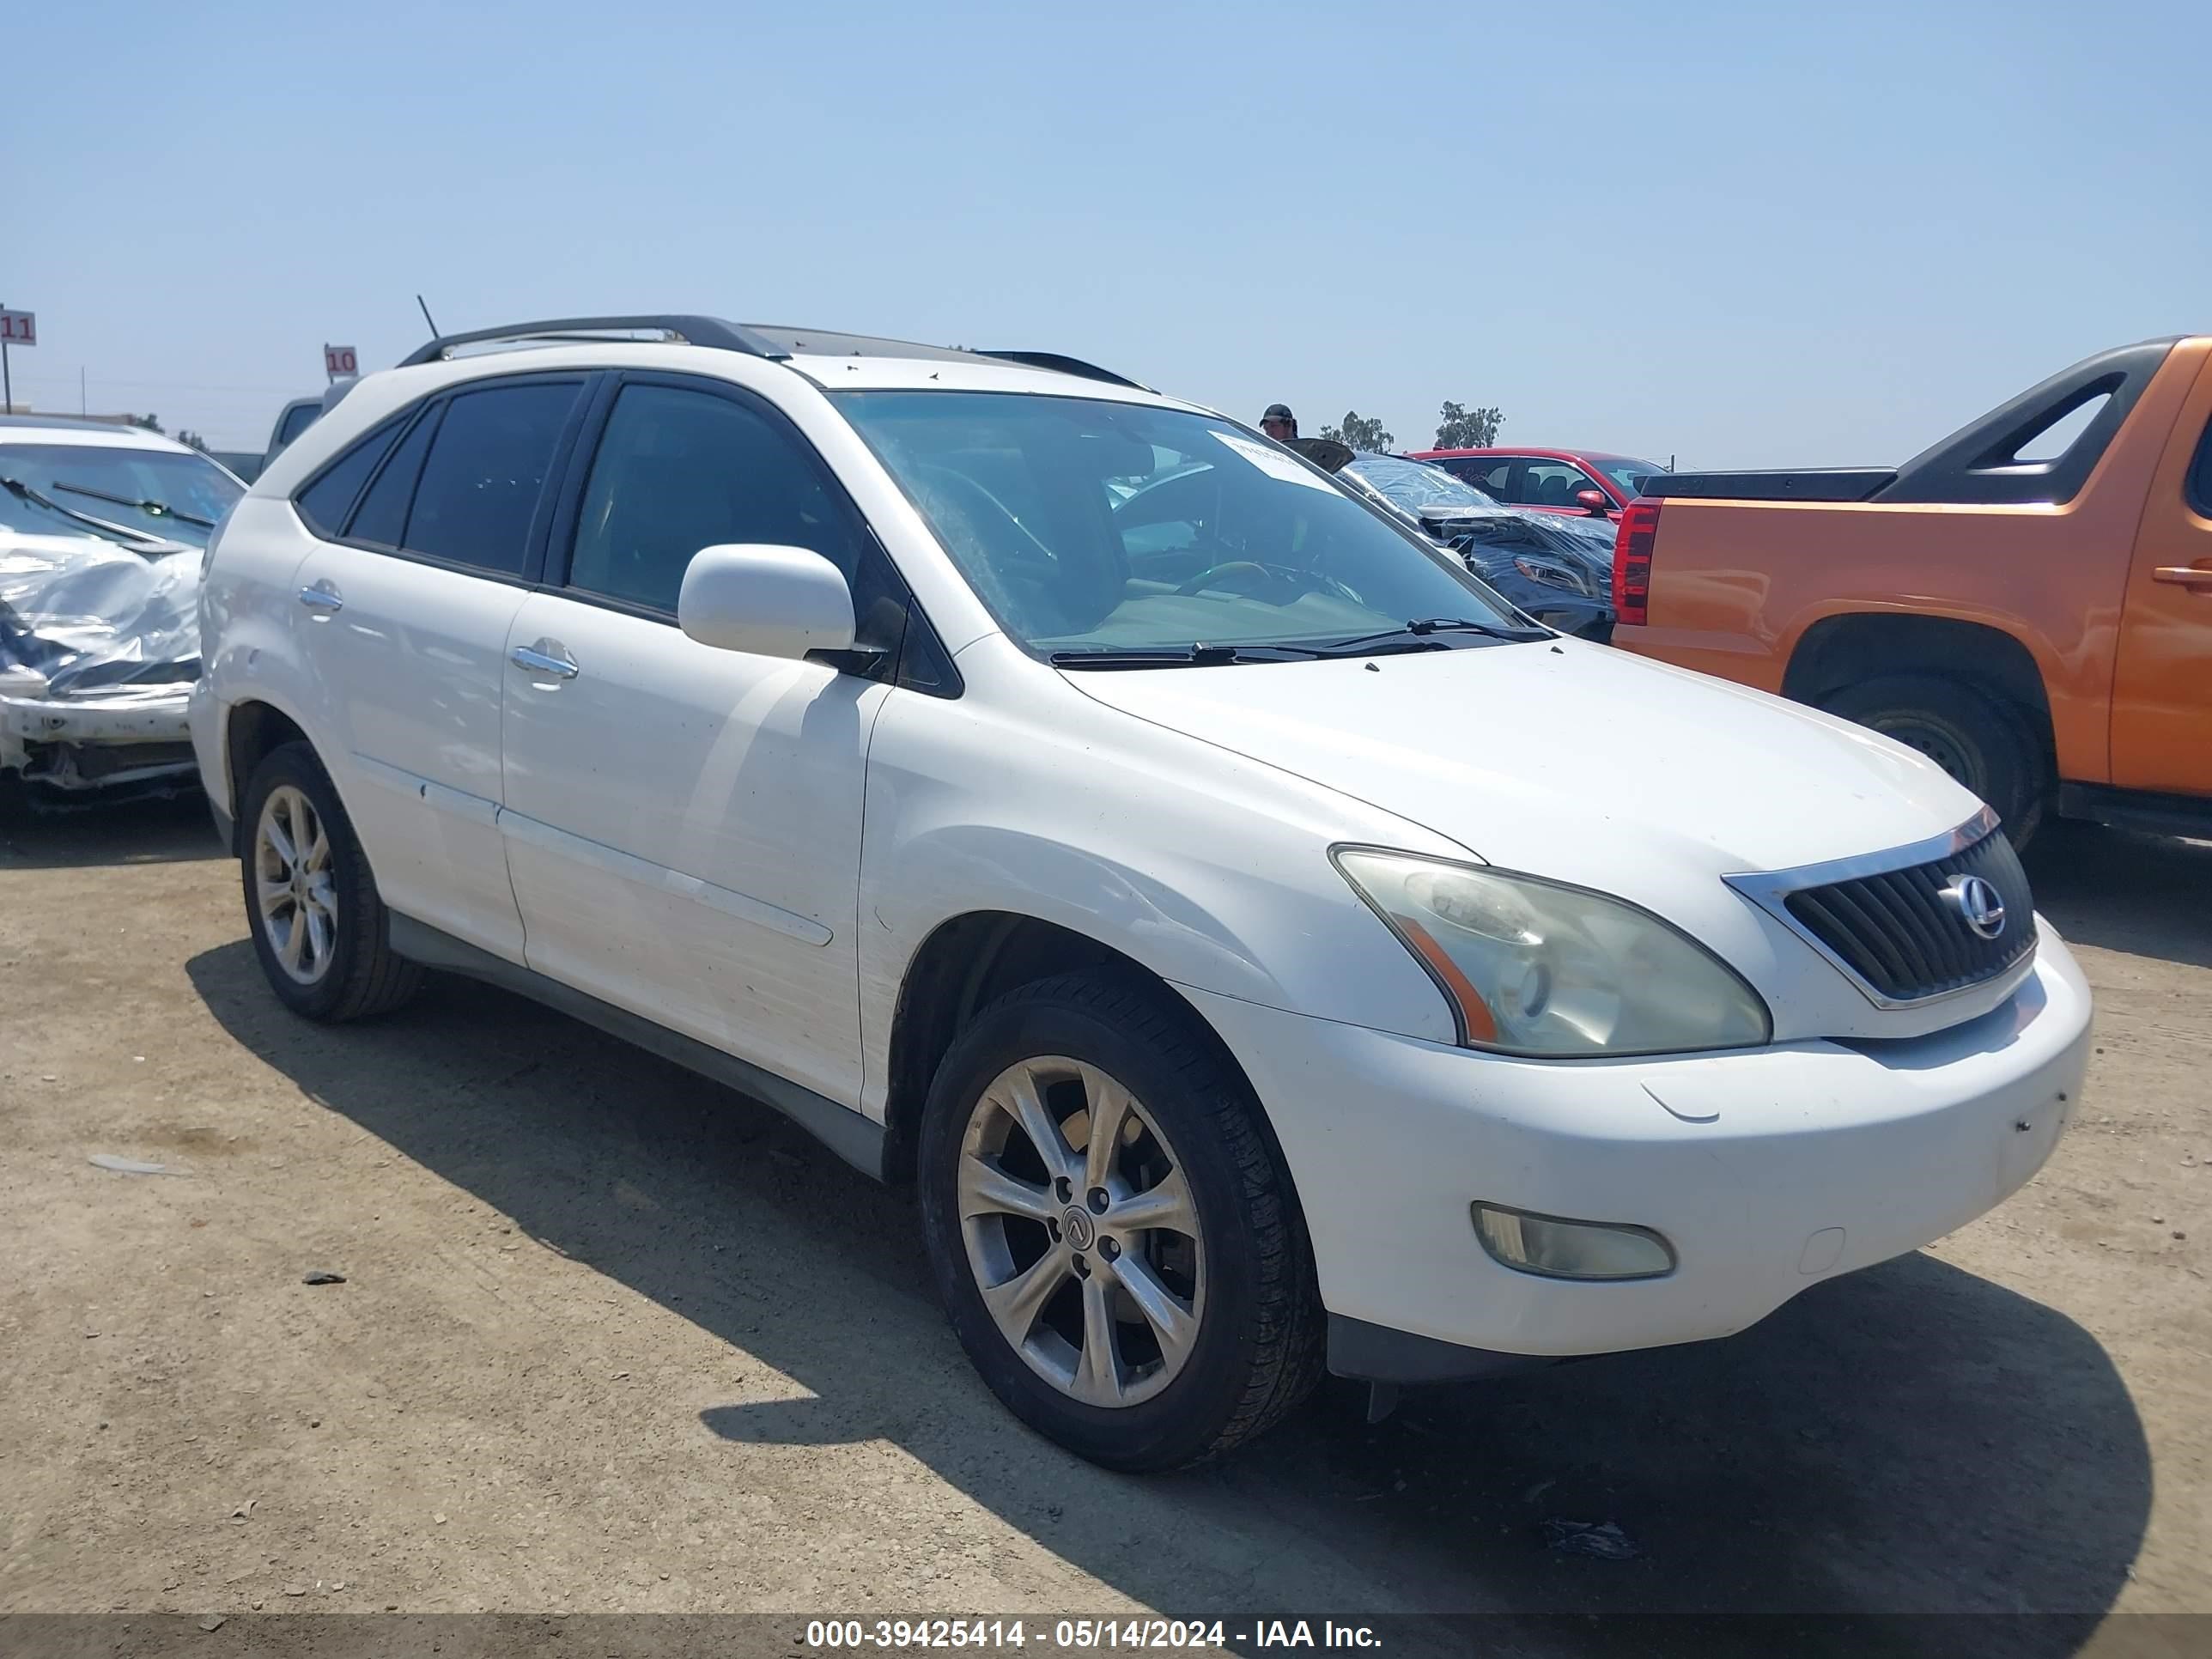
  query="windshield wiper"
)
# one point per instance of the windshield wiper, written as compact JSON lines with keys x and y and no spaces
{"x":23,"y":491}
{"x":152,"y":509}
{"x":1198,"y":654}
{"x":1415,"y":634}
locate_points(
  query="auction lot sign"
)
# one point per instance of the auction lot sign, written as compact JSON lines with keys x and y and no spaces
{"x":17,"y":328}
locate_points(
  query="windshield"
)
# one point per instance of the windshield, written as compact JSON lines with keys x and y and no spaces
{"x":1627,"y":473}
{"x":1091,"y":526}
{"x":113,"y":490}
{"x":1413,"y":485}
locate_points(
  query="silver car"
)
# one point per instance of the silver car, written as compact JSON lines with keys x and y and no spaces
{"x":102,"y":531}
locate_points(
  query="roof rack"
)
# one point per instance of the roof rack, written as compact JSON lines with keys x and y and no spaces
{"x":582,"y":331}
{"x":754,"y":340}
{"x":820,"y":343}
{"x":833,"y":342}
{"x":1065,"y":365}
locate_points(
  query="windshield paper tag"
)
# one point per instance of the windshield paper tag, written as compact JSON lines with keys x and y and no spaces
{"x":1274,"y":465}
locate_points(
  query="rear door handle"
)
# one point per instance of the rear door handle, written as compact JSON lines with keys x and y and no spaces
{"x":322,"y":598}
{"x":542,"y":658}
{"x":2183,"y":575}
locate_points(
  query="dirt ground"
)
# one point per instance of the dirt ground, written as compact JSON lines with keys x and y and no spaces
{"x":613,"y":1339}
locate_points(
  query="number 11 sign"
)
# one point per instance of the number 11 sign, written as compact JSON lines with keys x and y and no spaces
{"x":17,"y":328}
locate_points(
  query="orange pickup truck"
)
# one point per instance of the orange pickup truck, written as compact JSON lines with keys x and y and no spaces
{"x":2029,"y":603}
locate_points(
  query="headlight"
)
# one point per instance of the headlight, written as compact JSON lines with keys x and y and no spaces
{"x":1551,"y":575}
{"x":1532,"y":968}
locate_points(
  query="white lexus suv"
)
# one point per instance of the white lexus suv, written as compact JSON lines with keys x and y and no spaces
{"x":1265,"y":949}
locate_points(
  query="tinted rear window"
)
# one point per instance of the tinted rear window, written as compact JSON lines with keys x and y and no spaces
{"x":324,"y":504}
{"x":382,"y":516}
{"x":486,"y":469}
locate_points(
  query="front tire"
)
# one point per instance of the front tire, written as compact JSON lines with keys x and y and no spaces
{"x":318,"y":927}
{"x":1113,"y":1239}
{"x":1980,"y":743}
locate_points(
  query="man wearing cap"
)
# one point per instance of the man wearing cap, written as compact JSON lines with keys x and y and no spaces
{"x":1280,"y":423}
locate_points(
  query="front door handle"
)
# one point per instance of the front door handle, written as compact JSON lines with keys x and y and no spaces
{"x":2185,"y":575}
{"x":323,"y":599}
{"x":546,"y":657}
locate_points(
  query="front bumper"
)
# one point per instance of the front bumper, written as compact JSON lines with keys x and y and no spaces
{"x":1768,"y":1170}
{"x":132,"y":734}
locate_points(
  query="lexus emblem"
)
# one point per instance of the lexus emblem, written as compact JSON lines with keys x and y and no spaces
{"x":1977,"y":904}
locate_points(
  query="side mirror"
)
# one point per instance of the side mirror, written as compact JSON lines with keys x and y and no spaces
{"x":771,"y":601}
{"x":1599,"y":503}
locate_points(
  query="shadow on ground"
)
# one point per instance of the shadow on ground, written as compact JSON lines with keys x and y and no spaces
{"x":1908,"y":1439}
{"x":2142,"y":894}
{"x":44,"y":836}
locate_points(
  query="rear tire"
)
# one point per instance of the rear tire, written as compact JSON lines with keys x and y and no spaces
{"x":1978,"y":741}
{"x":1145,"y":1345}
{"x":318,"y":927}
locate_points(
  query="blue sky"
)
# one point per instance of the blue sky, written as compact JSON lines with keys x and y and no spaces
{"x":1743,"y":234}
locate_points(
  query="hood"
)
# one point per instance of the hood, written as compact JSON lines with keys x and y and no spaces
{"x":1327,"y":453}
{"x":86,"y":613}
{"x":1564,"y":759}
{"x":1585,"y":527}
{"x":1496,"y":548}
{"x":1449,"y":513}
{"x":1509,"y":531}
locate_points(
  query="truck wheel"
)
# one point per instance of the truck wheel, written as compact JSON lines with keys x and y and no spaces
{"x":1114,"y":1241}
{"x":318,"y":927}
{"x":1976,"y":740}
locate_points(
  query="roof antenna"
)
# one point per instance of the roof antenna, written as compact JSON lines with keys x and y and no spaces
{"x":426,"y":318}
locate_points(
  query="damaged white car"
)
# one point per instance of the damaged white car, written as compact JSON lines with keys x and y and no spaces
{"x":102,"y":531}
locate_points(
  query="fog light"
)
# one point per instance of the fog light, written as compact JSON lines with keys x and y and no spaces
{"x":1557,"y":1247}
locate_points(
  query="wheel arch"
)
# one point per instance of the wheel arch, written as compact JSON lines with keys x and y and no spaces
{"x":254,"y":727}
{"x":1850,"y":647}
{"x":967,"y":962}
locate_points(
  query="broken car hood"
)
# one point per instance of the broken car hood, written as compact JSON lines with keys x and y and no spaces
{"x":90,"y":614}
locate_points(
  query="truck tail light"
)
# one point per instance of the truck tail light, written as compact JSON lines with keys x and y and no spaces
{"x":1632,"y":561}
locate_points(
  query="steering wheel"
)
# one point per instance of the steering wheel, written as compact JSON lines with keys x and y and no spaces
{"x":996,"y":516}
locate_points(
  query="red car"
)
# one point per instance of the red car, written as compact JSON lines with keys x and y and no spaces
{"x":1576,"y":481}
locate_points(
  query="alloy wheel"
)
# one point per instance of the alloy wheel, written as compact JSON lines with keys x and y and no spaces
{"x":1081,"y":1231}
{"x":295,"y":895}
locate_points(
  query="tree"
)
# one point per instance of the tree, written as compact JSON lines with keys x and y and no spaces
{"x":1467,"y":429}
{"x":188,"y":436}
{"x":1359,"y":432}
{"x":149,"y":422}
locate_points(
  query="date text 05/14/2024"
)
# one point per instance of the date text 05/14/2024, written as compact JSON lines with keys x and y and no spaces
{"x":831,"y":1634}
